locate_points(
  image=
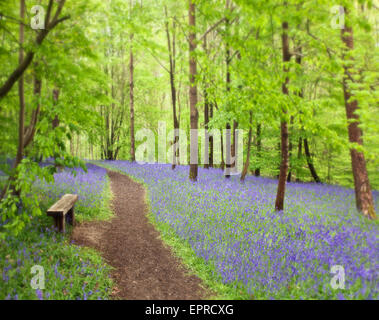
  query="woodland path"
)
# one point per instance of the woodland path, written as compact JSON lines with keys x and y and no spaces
{"x":144,"y":267}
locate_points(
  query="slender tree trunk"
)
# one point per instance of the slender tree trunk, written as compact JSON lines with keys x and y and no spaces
{"x":21,"y":94}
{"x":193,"y":93}
{"x":172,"y":56}
{"x":222,"y":165}
{"x":55,"y":122}
{"x":259,"y":148}
{"x":228,"y":127}
{"x":311,"y":167}
{"x":78,"y":145}
{"x":72,"y":145}
{"x":279,"y":203}
{"x":233,"y":146}
{"x":228,"y":138}
{"x":247,"y":163}
{"x":206,"y":114}
{"x":21,"y":117}
{"x":131,"y":83}
{"x":206,"y":135}
{"x":211,"y":138}
{"x":308,"y":156}
{"x":290,"y":153}
{"x":299,"y":152}
{"x":30,"y":130}
{"x":363,"y":195}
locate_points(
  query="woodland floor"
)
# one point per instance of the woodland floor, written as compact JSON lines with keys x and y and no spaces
{"x":144,"y":267}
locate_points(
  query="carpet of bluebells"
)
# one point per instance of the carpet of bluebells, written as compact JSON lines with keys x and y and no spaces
{"x":260,"y":252}
{"x":88,"y":185}
{"x":71,"y":272}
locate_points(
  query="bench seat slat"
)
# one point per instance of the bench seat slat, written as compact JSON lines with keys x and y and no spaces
{"x":63,"y":205}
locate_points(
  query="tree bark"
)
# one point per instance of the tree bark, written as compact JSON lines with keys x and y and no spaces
{"x":228,"y":127}
{"x":55,"y":122}
{"x":308,"y":156}
{"x":311,"y":167}
{"x":363,"y":195}
{"x":193,"y":93}
{"x":279,"y":202}
{"x":228,"y":138}
{"x":259,"y":148}
{"x":21,"y":94}
{"x":206,"y":114}
{"x":233,"y":146}
{"x":21,"y":116}
{"x":290,"y":153}
{"x":206,"y":121}
{"x":299,"y":152}
{"x":131,"y":84}
{"x":31,"y":129}
{"x":211,"y":138}
{"x":172,"y":57}
{"x":247,"y":162}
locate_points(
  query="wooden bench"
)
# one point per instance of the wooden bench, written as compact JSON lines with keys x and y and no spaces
{"x":63,"y":211}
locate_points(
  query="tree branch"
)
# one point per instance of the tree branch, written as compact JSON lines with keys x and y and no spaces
{"x":212,"y":28}
{"x":17,"y":73}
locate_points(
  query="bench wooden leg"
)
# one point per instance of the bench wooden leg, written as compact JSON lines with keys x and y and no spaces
{"x":56,"y":222}
{"x":73,"y":215}
{"x":61,"y":223}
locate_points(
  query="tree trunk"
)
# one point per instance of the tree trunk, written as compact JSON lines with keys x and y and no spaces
{"x":259,"y":148}
{"x":78,"y":145}
{"x":55,"y":122}
{"x":211,"y":138}
{"x":21,"y":95}
{"x":21,"y":117}
{"x":279,"y":203}
{"x":72,"y":145}
{"x":363,"y":195}
{"x":228,"y":127}
{"x":247,"y":163}
{"x":31,"y":129}
{"x":193,"y":93}
{"x":172,"y":56}
{"x":131,"y":83}
{"x":308,"y":156}
{"x":233,"y":146}
{"x":289,"y":176}
{"x":222,"y":165}
{"x":206,"y":135}
{"x":299,"y":151}
{"x":228,"y":139}
{"x":311,"y":167}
